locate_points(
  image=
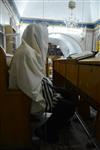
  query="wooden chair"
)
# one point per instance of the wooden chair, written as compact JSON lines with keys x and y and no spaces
{"x":15,"y":128}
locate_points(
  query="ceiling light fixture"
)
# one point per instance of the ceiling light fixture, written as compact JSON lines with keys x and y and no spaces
{"x":72,"y":23}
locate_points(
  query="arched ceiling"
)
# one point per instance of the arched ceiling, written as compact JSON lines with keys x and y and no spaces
{"x":67,"y":44}
{"x":86,"y":10}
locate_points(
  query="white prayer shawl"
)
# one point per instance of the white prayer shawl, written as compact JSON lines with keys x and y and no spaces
{"x":27,"y":67}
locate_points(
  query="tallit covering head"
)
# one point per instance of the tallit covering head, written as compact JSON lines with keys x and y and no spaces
{"x":37,"y":38}
{"x":27,"y":67}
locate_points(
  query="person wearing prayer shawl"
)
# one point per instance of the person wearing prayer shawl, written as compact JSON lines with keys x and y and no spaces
{"x":27,"y":73}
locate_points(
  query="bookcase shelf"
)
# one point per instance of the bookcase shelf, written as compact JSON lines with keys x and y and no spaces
{"x":2,"y":36}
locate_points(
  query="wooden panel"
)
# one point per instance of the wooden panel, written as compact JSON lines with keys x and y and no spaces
{"x":59,"y":66}
{"x":55,"y":65}
{"x":59,"y":72}
{"x":72,"y":72}
{"x":58,"y":80}
{"x":15,"y":106}
{"x":89,"y":81}
{"x":15,"y":128}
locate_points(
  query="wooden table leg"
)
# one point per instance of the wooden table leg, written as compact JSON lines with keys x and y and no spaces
{"x":98,"y":126}
{"x":83,"y":109}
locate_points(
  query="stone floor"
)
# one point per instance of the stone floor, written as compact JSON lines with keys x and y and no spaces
{"x":72,"y":137}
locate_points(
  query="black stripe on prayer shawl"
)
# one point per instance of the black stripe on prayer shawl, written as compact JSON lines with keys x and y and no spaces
{"x":47,"y":94}
{"x":43,"y":92}
{"x":53,"y":92}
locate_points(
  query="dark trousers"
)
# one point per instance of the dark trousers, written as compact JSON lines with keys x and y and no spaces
{"x":61,"y":113}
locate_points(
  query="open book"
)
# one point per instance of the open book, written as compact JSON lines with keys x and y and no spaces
{"x":83,"y":55}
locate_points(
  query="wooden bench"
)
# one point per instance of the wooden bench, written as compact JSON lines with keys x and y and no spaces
{"x":15,"y":128}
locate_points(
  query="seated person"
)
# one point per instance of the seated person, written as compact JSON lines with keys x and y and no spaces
{"x":27,"y":73}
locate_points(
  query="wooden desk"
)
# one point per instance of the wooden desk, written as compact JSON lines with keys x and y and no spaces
{"x":89,"y":78}
{"x":68,"y":69}
{"x":71,"y":73}
{"x":59,"y":66}
{"x":89,"y":83}
{"x":59,"y":70}
{"x":84,"y":76}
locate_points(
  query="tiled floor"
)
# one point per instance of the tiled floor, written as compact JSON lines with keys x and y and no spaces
{"x":72,"y":137}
